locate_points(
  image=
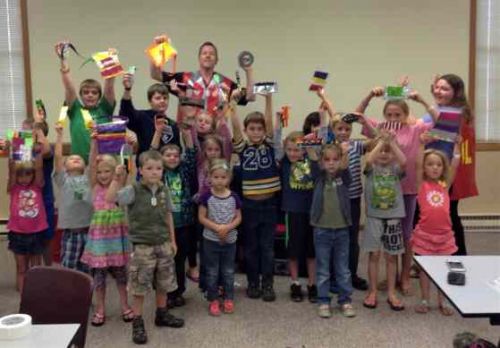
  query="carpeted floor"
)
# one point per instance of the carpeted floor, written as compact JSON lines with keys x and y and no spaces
{"x":282,"y":323}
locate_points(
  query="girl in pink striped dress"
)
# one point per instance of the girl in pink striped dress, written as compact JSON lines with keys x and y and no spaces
{"x":106,"y":250}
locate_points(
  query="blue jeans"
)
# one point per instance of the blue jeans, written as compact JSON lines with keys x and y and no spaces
{"x":219,"y":266}
{"x":333,"y":243}
{"x":258,"y":226}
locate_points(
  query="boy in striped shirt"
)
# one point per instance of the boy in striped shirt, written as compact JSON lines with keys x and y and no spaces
{"x":260,"y":183}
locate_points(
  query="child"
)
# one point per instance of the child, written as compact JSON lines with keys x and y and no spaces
{"x":143,"y":122}
{"x":178,"y":176}
{"x":433,"y":234}
{"x":260,"y":183}
{"x":296,"y":174}
{"x":331,"y":218}
{"x":408,"y":139}
{"x":99,"y":103}
{"x":342,"y":133}
{"x":27,"y":217}
{"x":219,"y":212}
{"x":106,"y":250}
{"x":385,"y":166}
{"x":151,"y":232}
{"x":449,"y":91}
{"x":75,"y":208}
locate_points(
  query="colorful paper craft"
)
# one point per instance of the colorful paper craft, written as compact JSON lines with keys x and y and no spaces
{"x":108,"y":63}
{"x":87,"y":118}
{"x":264,"y":88}
{"x":111,"y":136}
{"x":21,"y":145}
{"x":284,"y":115}
{"x":318,"y":80}
{"x":63,"y":116}
{"x":392,"y":126}
{"x":396,"y":92}
{"x":161,"y":53}
{"x":64,"y":49}
{"x":310,"y":140}
{"x":447,"y":126}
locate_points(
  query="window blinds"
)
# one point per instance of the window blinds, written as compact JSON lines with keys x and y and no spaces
{"x":12,"y":89}
{"x":487,"y":96}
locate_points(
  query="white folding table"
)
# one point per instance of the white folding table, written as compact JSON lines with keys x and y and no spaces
{"x":480,"y":296}
{"x":44,"y":336}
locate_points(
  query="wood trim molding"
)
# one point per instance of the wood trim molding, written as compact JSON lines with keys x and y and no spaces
{"x":26,"y":55}
{"x":472,"y":53}
{"x":480,"y":147}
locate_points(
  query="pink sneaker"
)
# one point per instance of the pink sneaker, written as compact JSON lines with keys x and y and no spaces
{"x":228,"y":306}
{"x":214,"y":308}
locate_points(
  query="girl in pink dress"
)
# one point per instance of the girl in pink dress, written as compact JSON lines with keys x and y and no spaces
{"x":433,"y":234}
{"x":27,"y":217}
{"x":106,"y":250}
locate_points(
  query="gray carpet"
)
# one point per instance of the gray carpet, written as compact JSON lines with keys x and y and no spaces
{"x":282,"y":323}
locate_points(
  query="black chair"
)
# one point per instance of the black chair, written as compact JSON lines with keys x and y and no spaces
{"x":53,"y":295}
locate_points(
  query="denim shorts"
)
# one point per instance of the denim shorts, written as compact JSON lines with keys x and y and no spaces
{"x":26,"y":243}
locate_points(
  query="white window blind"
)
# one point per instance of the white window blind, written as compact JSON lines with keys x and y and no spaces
{"x":487,"y":96}
{"x":12,"y":89}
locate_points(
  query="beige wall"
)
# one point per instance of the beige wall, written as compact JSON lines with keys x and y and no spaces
{"x":361,"y":44}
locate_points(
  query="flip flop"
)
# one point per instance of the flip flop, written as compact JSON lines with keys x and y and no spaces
{"x":396,"y":307}
{"x":98,"y":319}
{"x":423,"y":307}
{"x":445,"y":310}
{"x":128,"y":315}
{"x":370,"y":305}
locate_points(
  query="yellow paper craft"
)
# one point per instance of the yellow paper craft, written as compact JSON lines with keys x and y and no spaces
{"x":161,"y":53}
{"x":63,"y":116}
{"x":108,"y":63}
{"x":87,"y":118}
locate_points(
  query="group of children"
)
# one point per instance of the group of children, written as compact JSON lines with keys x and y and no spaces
{"x":199,"y":177}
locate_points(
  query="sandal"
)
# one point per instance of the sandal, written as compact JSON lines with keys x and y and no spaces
{"x":98,"y":319}
{"x":370,"y":304}
{"x":396,"y":306}
{"x":445,"y":310}
{"x":405,"y":291}
{"x":423,"y":307}
{"x":128,"y":315}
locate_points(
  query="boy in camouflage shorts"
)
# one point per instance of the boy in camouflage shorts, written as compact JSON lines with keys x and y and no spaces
{"x":151,"y":232}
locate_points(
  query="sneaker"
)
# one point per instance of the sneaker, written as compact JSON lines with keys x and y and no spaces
{"x":359,"y":283}
{"x":228,"y":306}
{"x":164,"y":318}
{"x":312,"y":293}
{"x":170,"y":302}
{"x":214,"y":308}
{"x":268,"y":293}
{"x":179,"y":301}
{"x":138,"y":331}
{"x":296,"y":292}
{"x":348,"y":310}
{"x":253,"y":291}
{"x":324,"y":310}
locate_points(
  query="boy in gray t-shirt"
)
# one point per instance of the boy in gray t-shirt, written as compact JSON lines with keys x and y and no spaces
{"x":384,"y":210}
{"x":75,"y":207}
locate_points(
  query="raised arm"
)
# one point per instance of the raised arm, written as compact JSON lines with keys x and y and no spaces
{"x":235,"y":123}
{"x":455,"y":162}
{"x":268,"y":115}
{"x":93,"y":160}
{"x":159,"y":127}
{"x":58,"y":150}
{"x":375,"y":92}
{"x":250,"y":82}
{"x":429,"y":108}
{"x":117,"y":183}
{"x":373,"y":154}
{"x":70,"y":93}
{"x":398,"y":154}
{"x":326,"y":104}
{"x":39,"y":179}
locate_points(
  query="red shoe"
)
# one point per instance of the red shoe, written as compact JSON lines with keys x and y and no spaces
{"x":214,"y":308}
{"x":228,"y":306}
